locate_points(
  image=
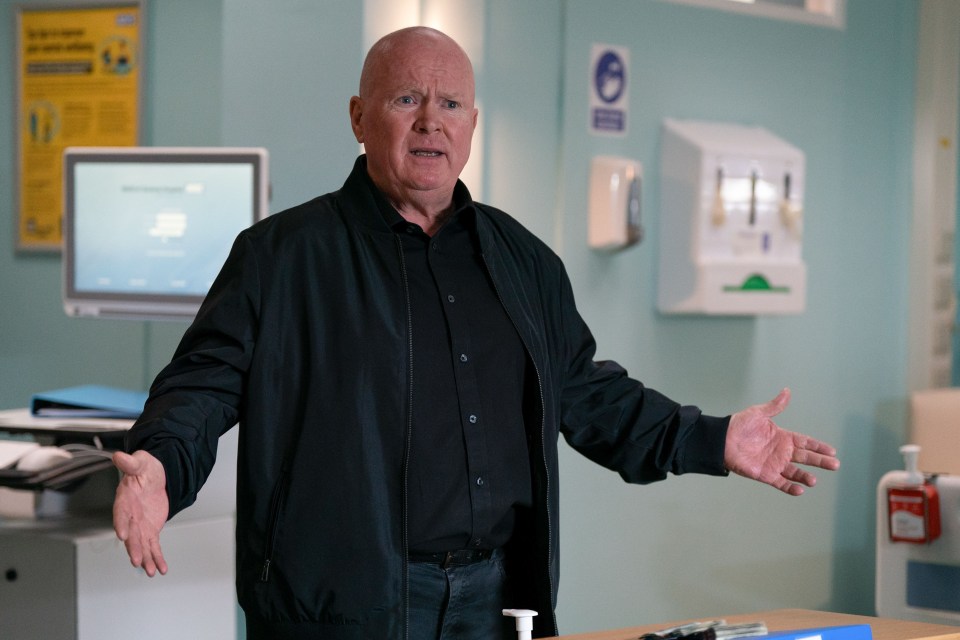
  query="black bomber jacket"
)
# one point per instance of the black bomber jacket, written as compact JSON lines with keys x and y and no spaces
{"x":304,"y":343}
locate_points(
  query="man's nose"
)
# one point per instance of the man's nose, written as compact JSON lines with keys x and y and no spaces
{"x":428,"y":119}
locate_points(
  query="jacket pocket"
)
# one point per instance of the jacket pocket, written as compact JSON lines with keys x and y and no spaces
{"x":276,"y":506}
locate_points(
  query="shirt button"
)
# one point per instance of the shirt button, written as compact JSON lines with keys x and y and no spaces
{"x":472,"y":419}
{"x":463,"y":357}
{"x":480,"y":482}
{"x":451,"y":299}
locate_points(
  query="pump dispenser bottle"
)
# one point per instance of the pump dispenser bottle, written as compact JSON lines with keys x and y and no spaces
{"x":914,"y":506}
{"x":524,"y":621}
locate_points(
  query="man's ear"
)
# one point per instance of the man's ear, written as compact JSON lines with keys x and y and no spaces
{"x":356,"y":113}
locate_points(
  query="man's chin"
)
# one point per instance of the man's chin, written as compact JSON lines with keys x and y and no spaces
{"x":433,"y":181}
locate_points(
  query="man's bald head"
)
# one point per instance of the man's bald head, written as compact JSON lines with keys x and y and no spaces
{"x":387,"y":48}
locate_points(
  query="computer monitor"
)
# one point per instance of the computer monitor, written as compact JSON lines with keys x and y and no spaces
{"x":147,"y":229}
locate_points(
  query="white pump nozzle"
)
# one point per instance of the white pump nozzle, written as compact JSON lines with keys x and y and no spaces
{"x":911,"y":452}
{"x":524,"y":621}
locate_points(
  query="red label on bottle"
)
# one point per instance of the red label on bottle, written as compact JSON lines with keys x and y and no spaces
{"x":914,"y":513}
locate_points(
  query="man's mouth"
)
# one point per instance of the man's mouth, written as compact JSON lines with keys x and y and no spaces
{"x":426,"y":153}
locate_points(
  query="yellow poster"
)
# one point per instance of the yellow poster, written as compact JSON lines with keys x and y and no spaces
{"x":79,"y":81}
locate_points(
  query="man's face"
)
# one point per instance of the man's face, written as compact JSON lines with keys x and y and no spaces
{"x":416,"y":118}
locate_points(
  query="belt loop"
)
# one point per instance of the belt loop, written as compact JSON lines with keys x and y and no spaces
{"x":447,"y":560}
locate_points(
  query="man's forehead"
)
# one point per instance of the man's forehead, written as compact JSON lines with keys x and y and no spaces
{"x":427,"y":77}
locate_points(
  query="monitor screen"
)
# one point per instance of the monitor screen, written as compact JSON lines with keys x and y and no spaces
{"x":146,"y":229}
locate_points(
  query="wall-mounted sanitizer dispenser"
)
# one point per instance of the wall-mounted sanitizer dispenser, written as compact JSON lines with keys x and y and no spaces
{"x":731,"y":221}
{"x":614,"y":203}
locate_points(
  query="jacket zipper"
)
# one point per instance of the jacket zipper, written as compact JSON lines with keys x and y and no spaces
{"x":543,"y":438}
{"x":406,"y":449}
{"x":276,"y":502}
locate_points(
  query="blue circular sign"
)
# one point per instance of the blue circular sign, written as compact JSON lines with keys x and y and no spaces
{"x":609,"y":77}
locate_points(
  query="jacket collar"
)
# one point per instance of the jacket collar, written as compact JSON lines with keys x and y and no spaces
{"x":367,"y":206}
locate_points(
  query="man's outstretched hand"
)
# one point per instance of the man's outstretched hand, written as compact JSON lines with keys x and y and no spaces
{"x":758,"y":449}
{"x":140,"y":509}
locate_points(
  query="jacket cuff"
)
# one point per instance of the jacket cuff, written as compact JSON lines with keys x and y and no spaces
{"x":169,"y":458}
{"x":705,"y":446}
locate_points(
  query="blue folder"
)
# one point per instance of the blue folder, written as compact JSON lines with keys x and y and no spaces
{"x":842,"y":632}
{"x":89,"y":401}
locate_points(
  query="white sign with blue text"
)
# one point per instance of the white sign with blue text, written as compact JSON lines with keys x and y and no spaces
{"x":608,"y":89}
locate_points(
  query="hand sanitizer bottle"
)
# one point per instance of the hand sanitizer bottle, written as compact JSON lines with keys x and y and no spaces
{"x":914,"y":506}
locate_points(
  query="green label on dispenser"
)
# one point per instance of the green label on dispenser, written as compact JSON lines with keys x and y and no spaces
{"x":755,"y":282}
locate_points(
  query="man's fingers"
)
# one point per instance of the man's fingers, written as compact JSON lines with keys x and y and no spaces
{"x":812,"y":444}
{"x":149,"y":567}
{"x":145,"y":553}
{"x":797,"y":475}
{"x":121,"y":523}
{"x":794,"y":490}
{"x":157,"y":556}
{"x":152,"y":560}
{"x":815,"y":453}
{"x":792,"y":486}
{"x":819,"y":460}
{"x":787,"y":487}
{"x":134,"y":550}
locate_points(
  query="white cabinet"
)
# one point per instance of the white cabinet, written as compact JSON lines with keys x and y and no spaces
{"x":67,"y":577}
{"x":71,"y":579}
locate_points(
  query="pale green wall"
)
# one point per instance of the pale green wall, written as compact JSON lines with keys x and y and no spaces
{"x":699,"y":545}
{"x":279,"y":74}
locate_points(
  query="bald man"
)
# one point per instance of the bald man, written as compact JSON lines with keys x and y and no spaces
{"x":401,"y":361}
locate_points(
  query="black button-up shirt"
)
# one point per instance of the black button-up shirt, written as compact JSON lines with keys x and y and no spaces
{"x":469,"y":460}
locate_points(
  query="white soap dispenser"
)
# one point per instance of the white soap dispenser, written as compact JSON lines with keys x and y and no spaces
{"x":524,"y":622}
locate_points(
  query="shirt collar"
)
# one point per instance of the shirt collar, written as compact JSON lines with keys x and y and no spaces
{"x":462,"y":204}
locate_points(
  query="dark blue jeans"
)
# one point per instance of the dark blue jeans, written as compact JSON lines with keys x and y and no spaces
{"x":461,"y":602}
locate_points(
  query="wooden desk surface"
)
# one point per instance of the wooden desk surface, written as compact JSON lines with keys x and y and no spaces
{"x":787,"y":619}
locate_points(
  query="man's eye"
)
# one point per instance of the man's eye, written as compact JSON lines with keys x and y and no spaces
{"x":405,"y":100}
{"x":452,"y":104}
